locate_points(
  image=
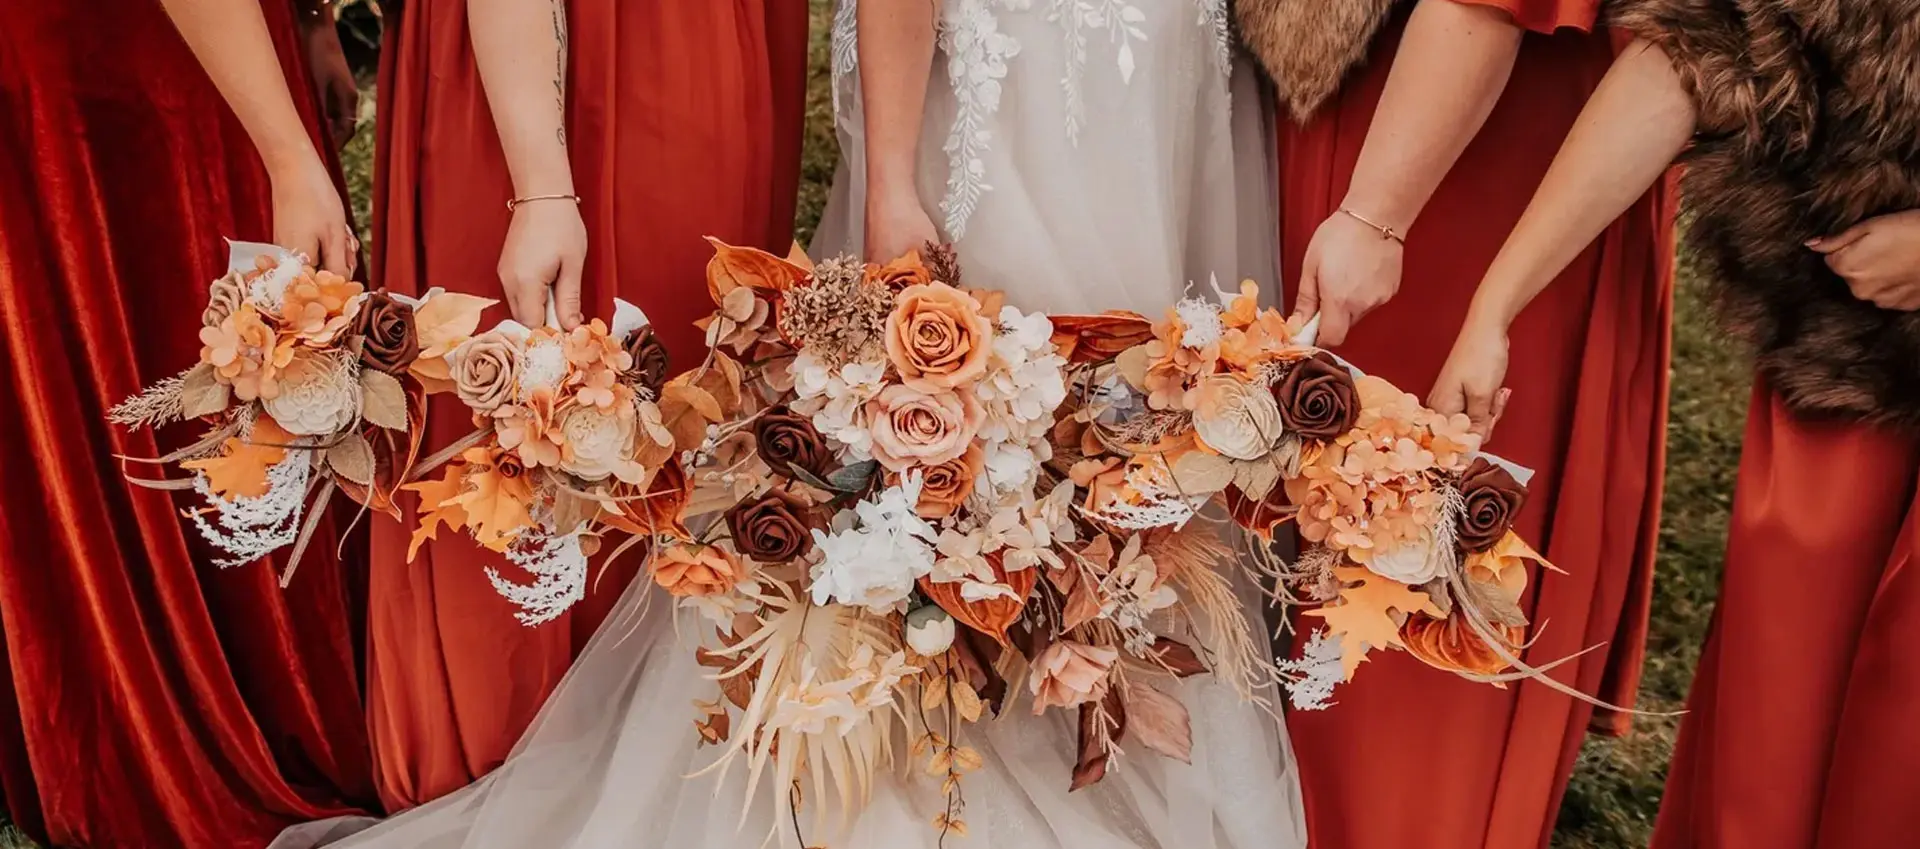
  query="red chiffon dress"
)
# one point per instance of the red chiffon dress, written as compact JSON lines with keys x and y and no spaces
{"x":1800,"y":732}
{"x":151,"y":699}
{"x":684,"y":121}
{"x":1488,"y":766}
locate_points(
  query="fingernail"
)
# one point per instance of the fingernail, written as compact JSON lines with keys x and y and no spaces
{"x":1813,"y":243}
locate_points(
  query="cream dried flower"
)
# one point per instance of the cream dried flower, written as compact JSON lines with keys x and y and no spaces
{"x":223,"y":297}
{"x":319,"y":394}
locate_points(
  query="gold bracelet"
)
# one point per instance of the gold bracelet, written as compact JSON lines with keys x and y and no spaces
{"x":1385,"y":231}
{"x":531,"y":198}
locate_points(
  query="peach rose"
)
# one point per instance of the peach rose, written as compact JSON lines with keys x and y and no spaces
{"x":937,"y":337}
{"x":695,"y":570}
{"x":915,"y":428}
{"x":947,"y":485}
{"x":1068,"y":674}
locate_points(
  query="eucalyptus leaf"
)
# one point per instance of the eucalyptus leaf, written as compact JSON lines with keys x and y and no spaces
{"x":853,"y":478}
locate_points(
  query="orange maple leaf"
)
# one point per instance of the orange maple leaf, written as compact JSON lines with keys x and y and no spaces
{"x":1363,"y":620}
{"x":439,"y":506}
{"x":496,"y":506}
{"x":240,"y":471}
{"x":732,"y":267}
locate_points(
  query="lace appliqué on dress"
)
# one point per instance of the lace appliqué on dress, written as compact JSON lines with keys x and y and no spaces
{"x":1119,"y":20}
{"x":977,"y":53}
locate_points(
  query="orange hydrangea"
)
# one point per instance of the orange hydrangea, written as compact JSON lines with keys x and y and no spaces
{"x":318,"y":305}
{"x":246,"y":353}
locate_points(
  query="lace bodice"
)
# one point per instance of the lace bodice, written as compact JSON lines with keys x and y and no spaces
{"x":979,"y":53}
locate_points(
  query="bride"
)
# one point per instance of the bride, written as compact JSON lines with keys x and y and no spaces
{"x":1083,"y":155}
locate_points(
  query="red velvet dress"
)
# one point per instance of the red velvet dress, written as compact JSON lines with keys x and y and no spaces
{"x":152,"y":700}
{"x":684,"y":121}
{"x":1800,"y":732}
{"x":1410,"y":756}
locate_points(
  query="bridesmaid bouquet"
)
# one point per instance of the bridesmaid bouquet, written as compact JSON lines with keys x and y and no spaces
{"x":893,"y":543}
{"x":1407,"y":525}
{"x":569,"y":444}
{"x":304,"y":377}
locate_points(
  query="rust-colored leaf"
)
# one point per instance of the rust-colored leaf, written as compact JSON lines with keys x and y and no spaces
{"x":1091,"y":765}
{"x":496,"y":505}
{"x":1176,"y":657}
{"x":1097,"y":338}
{"x":438,"y":506}
{"x":1365,"y":617}
{"x":1452,"y":644}
{"x":993,"y":616}
{"x":660,"y":510}
{"x":1160,"y":722}
{"x":1262,"y":516}
{"x":685,"y":411}
{"x":733,"y":267}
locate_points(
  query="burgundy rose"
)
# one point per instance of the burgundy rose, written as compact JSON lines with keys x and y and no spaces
{"x":787,"y":439}
{"x":773,"y":529}
{"x":388,"y":341}
{"x":1317,"y":398}
{"x":649,"y":360}
{"x":1494,"y":499}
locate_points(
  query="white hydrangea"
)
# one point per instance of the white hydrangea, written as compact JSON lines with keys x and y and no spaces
{"x":542,"y":366}
{"x":1025,"y":380}
{"x":836,"y":400}
{"x":876,"y":553}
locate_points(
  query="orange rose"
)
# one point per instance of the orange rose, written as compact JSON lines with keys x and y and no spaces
{"x":695,"y":570}
{"x":937,"y":337}
{"x":948,"y":484}
{"x":915,"y":428}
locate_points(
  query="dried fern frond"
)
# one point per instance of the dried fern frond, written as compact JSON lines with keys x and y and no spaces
{"x":156,"y":406}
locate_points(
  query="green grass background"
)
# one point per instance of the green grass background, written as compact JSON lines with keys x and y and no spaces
{"x":1616,"y":786}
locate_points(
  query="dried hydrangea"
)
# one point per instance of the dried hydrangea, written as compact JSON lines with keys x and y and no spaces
{"x":839,"y":315}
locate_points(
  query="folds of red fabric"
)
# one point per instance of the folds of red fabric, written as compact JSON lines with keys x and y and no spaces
{"x":151,"y":700}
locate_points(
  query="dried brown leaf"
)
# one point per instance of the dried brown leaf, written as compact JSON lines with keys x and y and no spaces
{"x":383,"y":401}
{"x":352,"y":459}
{"x":1160,"y":722}
{"x":201,"y":394}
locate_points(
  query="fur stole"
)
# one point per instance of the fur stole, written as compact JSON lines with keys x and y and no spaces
{"x":1809,"y":123}
{"x":1309,"y":46}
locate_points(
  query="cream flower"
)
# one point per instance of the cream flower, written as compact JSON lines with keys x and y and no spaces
{"x":318,"y":395}
{"x":599,"y":444}
{"x":1235,"y":418}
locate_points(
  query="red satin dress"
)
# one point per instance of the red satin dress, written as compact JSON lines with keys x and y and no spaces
{"x":1411,"y":756}
{"x":151,"y":699}
{"x":1801,"y":729}
{"x":684,"y":121}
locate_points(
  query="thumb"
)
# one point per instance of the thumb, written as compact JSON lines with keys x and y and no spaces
{"x":334,"y":253}
{"x":566,"y":294}
{"x":1307,"y":302}
{"x":1835,"y":244}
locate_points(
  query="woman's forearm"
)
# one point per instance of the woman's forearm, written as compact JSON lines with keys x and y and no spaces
{"x":520,"y":47}
{"x":1451,"y":67}
{"x":896,"y":40}
{"x":1638,"y":121}
{"x":231,"y":40}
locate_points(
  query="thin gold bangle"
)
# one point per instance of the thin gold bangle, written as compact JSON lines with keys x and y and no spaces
{"x":531,"y":198}
{"x":1385,"y":231}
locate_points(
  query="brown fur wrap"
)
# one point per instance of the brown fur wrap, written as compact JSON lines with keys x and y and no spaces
{"x":1309,"y":46}
{"x":1809,"y":123}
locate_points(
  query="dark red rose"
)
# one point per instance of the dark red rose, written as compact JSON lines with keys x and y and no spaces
{"x":786,"y":439}
{"x":1318,"y":399}
{"x":774,"y":529}
{"x":649,"y":360}
{"x":1494,"y":499}
{"x":388,"y":341}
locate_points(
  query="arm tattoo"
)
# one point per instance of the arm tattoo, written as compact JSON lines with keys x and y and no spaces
{"x":560,"y":67}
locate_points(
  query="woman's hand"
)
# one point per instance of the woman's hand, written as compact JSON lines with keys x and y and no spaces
{"x":332,"y":79}
{"x":1351,"y":270}
{"x":897,"y":225}
{"x":1880,"y":259}
{"x":309,"y":217}
{"x":1470,"y":382}
{"x":546,"y":250}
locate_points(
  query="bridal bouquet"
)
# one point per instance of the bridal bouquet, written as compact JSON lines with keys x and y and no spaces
{"x":569,"y":444}
{"x":898,"y":547}
{"x":1407,"y":526}
{"x":305,"y":379}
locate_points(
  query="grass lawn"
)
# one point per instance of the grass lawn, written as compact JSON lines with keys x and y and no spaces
{"x":1616,"y":786}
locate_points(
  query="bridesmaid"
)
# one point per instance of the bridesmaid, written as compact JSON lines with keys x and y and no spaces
{"x":625,"y":132}
{"x":1800,"y":731}
{"x":1420,"y":129}
{"x":151,"y":700}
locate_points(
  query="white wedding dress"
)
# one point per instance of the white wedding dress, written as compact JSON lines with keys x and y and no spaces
{"x":1084,"y":155}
